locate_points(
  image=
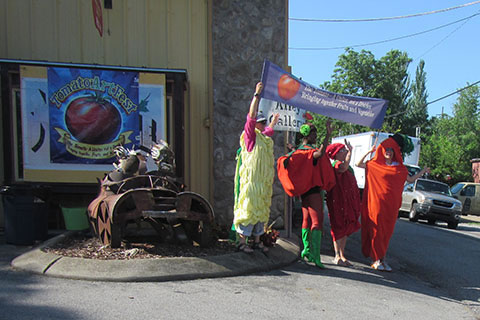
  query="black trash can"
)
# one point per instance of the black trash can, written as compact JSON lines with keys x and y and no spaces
{"x":26,"y":215}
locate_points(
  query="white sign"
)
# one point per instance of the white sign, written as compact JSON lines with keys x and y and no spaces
{"x":291,"y":118}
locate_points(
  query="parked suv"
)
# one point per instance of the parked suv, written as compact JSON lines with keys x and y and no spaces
{"x":432,"y":201}
{"x":469,"y":194}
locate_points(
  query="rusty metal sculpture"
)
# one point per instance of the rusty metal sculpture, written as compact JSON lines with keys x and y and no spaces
{"x":129,"y":194}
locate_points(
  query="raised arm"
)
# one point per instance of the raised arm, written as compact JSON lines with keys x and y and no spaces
{"x":411,"y":179}
{"x":274,"y":120}
{"x":361,"y":162}
{"x":317,"y":154}
{"x":255,"y":101}
{"x":345,"y":164}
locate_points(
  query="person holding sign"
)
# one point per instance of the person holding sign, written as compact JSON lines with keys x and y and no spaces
{"x":305,"y":172}
{"x":254,"y":177}
{"x":382,"y":197}
{"x":343,"y":200}
{"x":312,"y":200}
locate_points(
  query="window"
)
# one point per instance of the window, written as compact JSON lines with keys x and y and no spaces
{"x":457,"y":187}
{"x":469,"y":191}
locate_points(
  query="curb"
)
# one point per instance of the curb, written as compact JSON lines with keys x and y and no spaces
{"x":285,"y":252}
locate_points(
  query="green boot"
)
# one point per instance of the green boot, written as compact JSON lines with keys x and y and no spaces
{"x":316,"y":246}
{"x":306,"y":245}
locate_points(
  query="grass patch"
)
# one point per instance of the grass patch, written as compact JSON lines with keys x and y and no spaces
{"x":477,"y":224}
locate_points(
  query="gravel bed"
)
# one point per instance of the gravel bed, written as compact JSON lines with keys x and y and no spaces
{"x":84,"y":246}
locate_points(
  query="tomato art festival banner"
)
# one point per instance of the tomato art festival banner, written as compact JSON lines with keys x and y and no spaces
{"x":73,"y":118}
{"x":285,"y":88}
{"x":91,"y":113}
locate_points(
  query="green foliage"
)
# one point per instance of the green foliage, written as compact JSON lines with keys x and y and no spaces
{"x":360,"y":74}
{"x":454,"y":141}
{"x":417,"y":112}
{"x":448,"y":143}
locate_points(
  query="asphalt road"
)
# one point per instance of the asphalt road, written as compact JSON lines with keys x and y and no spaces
{"x":435,"y":277}
{"x":447,"y":259}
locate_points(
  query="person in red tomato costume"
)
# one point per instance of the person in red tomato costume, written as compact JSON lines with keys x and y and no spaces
{"x":305,"y":172}
{"x":343,"y":200}
{"x":385,"y":177}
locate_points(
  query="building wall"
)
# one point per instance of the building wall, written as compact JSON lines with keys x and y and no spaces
{"x":244,"y":33}
{"x":221,"y":44}
{"x":138,"y":33}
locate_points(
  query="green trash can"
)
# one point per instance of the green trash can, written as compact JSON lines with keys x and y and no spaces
{"x":75,"y":218}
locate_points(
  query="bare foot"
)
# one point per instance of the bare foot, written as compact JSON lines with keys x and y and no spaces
{"x":347,"y":263}
{"x":338,"y":261}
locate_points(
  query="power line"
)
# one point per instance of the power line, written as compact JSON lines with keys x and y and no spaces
{"x":445,"y":38}
{"x":436,"y":100}
{"x":388,"y":40}
{"x":448,"y":95}
{"x":385,"y":18}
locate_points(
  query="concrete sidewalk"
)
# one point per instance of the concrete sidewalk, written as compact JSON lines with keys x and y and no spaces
{"x":285,"y":252}
{"x":34,"y":260}
{"x":470,"y":219}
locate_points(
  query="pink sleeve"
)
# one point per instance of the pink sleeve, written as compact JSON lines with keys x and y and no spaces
{"x":268,"y":131}
{"x":250,"y":135}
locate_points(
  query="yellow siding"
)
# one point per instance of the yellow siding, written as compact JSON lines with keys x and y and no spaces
{"x":68,"y":32}
{"x":137,"y":33}
{"x":3,"y":37}
{"x":17,"y":31}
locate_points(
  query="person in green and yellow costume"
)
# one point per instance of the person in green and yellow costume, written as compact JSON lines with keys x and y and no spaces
{"x":254,"y":177}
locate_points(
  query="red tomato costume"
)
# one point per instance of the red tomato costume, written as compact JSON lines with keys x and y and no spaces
{"x":382,"y":197}
{"x":302,"y":175}
{"x":343,"y":203}
{"x":298,"y":173}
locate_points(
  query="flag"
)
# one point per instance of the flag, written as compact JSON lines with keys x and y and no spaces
{"x":97,"y":16}
{"x":283,"y":87}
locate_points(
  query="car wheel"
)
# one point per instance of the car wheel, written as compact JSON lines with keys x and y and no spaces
{"x":431,"y":221}
{"x":452,"y":225}
{"x":412,"y":215}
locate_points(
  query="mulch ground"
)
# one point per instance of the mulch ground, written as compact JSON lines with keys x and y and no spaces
{"x":84,"y":246}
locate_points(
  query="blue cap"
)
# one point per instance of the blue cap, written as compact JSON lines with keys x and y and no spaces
{"x":261,"y":117}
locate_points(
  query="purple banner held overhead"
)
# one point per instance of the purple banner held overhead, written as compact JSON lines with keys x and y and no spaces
{"x":283,"y":87}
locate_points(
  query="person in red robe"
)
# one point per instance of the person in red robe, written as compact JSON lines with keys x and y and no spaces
{"x":343,"y":200}
{"x":385,"y":177}
{"x":305,"y":172}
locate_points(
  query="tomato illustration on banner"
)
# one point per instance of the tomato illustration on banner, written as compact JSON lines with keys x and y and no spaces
{"x":91,"y":112}
{"x":287,"y":87}
{"x":93,"y":120}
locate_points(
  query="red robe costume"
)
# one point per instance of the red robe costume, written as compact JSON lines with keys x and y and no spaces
{"x":382,"y":197}
{"x":343,"y":202}
{"x":298,"y":174}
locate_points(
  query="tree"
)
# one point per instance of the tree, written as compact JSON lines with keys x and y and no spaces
{"x":466,"y":123}
{"x":394,"y":86}
{"x":454,"y":140}
{"x":360,"y":74}
{"x":439,"y":150}
{"x":417,"y":113}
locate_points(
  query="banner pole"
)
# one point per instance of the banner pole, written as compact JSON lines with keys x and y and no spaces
{"x":288,"y":200}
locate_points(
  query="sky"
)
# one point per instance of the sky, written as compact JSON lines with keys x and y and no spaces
{"x":451,"y":53}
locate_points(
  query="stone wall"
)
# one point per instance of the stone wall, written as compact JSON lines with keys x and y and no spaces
{"x":245,"y":32}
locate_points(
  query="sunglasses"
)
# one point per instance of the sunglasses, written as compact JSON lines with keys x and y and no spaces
{"x":389,"y":149}
{"x":263,"y":122}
